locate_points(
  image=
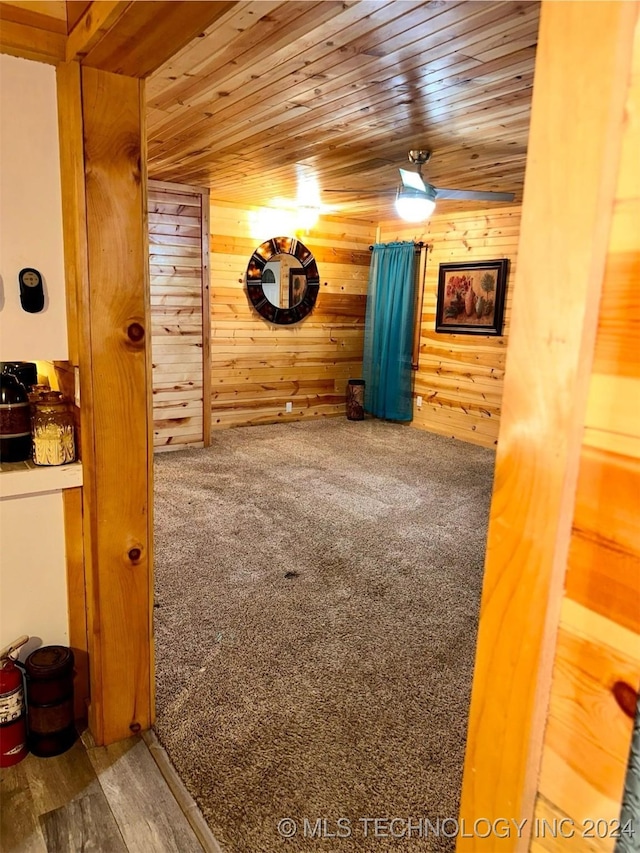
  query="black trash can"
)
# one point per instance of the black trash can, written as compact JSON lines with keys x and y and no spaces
{"x":50,"y":700}
{"x":355,"y":400}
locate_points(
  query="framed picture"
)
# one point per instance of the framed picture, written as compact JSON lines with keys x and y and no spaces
{"x":471,"y":297}
{"x":297,"y":286}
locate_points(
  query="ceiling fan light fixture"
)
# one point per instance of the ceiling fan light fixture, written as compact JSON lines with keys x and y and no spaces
{"x":307,"y":216}
{"x":415,"y":205}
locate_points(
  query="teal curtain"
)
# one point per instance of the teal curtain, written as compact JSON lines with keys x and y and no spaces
{"x":388,"y":333}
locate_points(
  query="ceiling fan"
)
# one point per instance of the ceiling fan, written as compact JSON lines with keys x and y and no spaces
{"x":416,"y":198}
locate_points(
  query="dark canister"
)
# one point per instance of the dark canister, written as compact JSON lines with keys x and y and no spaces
{"x":15,"y":420}
{"x":355,"y":400}
{"x":25,"y":372}
{"x":50,"y":700}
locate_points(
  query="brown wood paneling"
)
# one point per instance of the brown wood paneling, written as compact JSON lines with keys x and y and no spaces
{"x":546,"y":386}
{"x":460,"y":377}
{"x":588,"y":733}
{"x":180,"y":331}
{"x":589,"y":729}
{"x":256,"y":367}
{"x":617,"y":350}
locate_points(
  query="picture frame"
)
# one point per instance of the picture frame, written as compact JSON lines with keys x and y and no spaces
{"x":471,"y":297}
{"x":297,"y":286}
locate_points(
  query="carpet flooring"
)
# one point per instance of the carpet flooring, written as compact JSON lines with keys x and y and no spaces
{"x":317,"y":595}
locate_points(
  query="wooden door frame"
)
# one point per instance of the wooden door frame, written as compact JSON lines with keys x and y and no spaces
{"x":581,"y":73}
{"x":205,"y":237}
{"x":101,"y":65}
{"x":574,"y":149}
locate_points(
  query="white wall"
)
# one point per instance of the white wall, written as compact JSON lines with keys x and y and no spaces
{"x":30,"y":210}
{"x":33,"y":586}
{"x":33,"y":576}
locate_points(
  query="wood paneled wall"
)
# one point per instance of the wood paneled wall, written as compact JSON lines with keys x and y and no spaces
{"x":547,"y":379}
{"x":459,"y":377}
{"x":256,"y":367}
{"x":179,"y":279}
{"x":597,"y":665}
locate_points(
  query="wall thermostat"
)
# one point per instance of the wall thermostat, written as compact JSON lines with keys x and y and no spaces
{"x":31,"y":290}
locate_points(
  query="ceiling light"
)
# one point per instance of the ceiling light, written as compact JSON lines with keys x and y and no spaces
{"x":307,"y":216}
{"x":415,"y":205}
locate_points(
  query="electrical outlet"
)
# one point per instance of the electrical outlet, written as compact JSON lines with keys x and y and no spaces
{"x":288,"y":407}
{"x":419,"y":401}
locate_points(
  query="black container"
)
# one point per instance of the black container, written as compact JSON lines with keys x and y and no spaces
{"x":25,"y":372}
{"x":355,"y":400}
{"x":50,"y":700}
{"x":15,"y":420}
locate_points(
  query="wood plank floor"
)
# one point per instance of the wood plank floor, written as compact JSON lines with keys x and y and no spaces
{"x":106,"y":799}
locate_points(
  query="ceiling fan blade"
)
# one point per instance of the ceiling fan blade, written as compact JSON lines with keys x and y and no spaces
{"x":473,"y":195}
{"x":362,"y":192}
{"x":412,"y":180}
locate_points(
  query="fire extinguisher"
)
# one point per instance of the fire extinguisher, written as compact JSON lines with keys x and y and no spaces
{"x":13,"y":716}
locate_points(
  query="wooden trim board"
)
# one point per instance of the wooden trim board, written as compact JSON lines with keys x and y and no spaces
{"x":565,"y":222}
{"x":206,"y":320}
{"x":182,"y":796}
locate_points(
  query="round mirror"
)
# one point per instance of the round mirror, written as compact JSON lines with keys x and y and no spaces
{"x":282,"y":280}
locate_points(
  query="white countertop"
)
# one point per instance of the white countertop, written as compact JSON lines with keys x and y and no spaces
{"x":26,"y":478}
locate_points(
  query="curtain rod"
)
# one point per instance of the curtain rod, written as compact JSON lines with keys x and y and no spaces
{"x":416,"y":245}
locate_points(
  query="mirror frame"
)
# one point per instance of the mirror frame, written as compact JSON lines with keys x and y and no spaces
{"x":255,"y":291}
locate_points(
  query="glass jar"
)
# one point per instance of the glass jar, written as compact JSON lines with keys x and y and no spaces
{"x":53,"y":430}
{"x":34,"y":395}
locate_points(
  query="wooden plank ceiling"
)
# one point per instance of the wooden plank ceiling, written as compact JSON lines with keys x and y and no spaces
{"x":337,"y":93}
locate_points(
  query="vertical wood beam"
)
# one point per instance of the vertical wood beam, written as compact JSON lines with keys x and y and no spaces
{"x":106,"y":237}
{"x":115,"y":155}
{"x":582,"y":66}
{"x":206,"y":320}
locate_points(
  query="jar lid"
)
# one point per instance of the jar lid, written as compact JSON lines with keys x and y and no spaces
{"x":48,"y":401}
{"x":49,"y":662}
